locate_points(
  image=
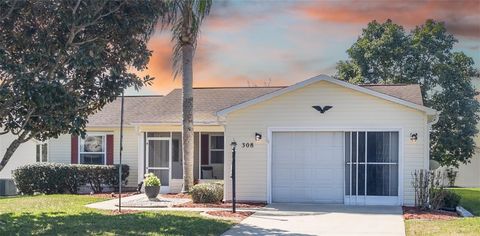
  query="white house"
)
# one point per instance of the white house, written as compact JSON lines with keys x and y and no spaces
{"x":27,"y":153}
{"x":321,"y":140}
{"x":469,"y":174}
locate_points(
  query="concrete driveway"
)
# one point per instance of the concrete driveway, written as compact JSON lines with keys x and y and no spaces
{"x":306,"y":219}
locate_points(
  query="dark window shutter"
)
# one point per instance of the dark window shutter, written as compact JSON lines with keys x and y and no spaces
{"x":74,"y":150}
{"x":205,"y":149}
{"x":109,"y":149}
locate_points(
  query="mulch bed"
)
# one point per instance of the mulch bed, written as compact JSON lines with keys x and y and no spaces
{"x":176,"y":195}
{"x":410,"y":213}
{"x":110,"y":195}
{"x":219,"y":205}
{"x":229,"y":214}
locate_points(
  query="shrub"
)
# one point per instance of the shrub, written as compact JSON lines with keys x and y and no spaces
{"x":451,"y":176}
{"x":52,"y":178}
{"x":151,"y":180}
{"x":207,"y":193}
{"x":428,"y":186}
{"x":451,"y":199}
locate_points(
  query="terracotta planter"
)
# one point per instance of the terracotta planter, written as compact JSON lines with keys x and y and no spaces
{"x":152,"y":191}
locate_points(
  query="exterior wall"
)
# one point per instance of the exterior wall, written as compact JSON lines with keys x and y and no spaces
{"x":351,"y":109}
{"x":133,"y":153}
{"x":25,"y":154}
{"x":469,"y":174}
{"x":60,"y":151}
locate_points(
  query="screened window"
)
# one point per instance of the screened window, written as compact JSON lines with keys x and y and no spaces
{"x":92,"y":150}
{"x":41,"y":152}
{"x":216,"y":149}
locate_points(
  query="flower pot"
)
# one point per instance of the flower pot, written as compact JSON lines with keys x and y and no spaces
{"x":152,"y":191}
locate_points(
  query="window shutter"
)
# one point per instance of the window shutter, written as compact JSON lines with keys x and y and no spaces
{"x":109,"y":149}
{"x":205,"y":149}
{"x":74,"y":150}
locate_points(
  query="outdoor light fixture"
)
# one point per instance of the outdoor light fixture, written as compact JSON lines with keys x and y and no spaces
{"x":258,"y":137}
{"x":413,"y":137}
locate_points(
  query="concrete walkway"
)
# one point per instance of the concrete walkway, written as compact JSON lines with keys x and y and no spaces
{"x":127,"y":204}
{"x":306,"y":219}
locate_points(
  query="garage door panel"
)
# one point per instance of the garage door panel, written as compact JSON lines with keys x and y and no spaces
{"x":307,"y":167}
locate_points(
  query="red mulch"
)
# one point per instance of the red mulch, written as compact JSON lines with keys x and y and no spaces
{"x":415,"y":213}
{"x":176,"y":195}
{"x":220,"y":205}
{"x":124,"y":212}
{"x":110,"y":196}
{"x":229,"y":214}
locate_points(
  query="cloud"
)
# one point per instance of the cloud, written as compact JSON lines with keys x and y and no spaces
{"x":461,"y":17}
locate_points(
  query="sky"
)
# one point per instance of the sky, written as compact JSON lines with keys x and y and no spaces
{"x":270,"y":43}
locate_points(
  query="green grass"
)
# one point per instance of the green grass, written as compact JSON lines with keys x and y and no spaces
{"x":67,"y":215}
{"x":470,"y":199}
{"x":464,"y":226}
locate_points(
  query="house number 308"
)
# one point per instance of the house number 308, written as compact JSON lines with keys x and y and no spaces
{"x":247,"y":145}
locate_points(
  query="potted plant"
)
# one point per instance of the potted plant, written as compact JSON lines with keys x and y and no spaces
{"x":152,"y":185}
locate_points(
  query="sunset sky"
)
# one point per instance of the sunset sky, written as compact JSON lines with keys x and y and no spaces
{"x":248,"y":43}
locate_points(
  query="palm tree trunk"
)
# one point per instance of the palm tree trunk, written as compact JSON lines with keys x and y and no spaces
{"x":187,"y":105}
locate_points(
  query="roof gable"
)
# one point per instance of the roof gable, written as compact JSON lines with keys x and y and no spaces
{"x":380,"y":92}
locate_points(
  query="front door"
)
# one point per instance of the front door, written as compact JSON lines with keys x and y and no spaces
{"x":159,"y":153}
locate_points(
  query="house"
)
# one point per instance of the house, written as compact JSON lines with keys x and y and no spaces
{"x":27,"y":153}
{"x":321,"y":140}
{"x":469,"y":174}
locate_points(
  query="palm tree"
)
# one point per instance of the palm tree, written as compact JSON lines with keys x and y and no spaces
{"x":185,"y":18}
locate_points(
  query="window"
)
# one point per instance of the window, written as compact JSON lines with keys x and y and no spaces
{"x":216,"y":149}
{"x":92,"y":150}
{"x":41,"y":152}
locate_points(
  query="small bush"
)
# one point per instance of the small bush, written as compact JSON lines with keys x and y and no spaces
{"x":451,"y":199}
{"x":442,"y":198}
{"x":451,"y":175}
{"x":207,"y":193}
{"x":151,"y":180}
{"x":52,"y":178}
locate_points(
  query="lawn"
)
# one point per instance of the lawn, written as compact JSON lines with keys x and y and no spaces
{"x":66,"y":215}
{"x":464,"y":226}
{"x":470,"y":199}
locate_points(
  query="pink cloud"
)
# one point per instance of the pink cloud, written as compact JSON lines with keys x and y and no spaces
{"x":461,"y":17}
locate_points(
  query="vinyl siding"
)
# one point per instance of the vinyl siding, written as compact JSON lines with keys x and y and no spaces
{"x":25,"y":154}
{"x":351,"y":109}
{"x":60,"y":150}
{"x":469,"y":174}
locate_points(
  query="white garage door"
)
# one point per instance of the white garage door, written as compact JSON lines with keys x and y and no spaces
{"x":307,"y":167}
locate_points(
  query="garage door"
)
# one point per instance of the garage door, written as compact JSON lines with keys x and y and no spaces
{"x":307,"y":167}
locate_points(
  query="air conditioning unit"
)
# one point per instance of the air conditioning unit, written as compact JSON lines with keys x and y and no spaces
{"x":7,"y":187}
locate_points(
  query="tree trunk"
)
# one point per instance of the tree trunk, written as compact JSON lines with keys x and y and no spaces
{"x":187,"y":125}
{"x":9,"y":153}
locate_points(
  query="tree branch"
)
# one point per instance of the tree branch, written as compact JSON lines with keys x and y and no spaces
{"x":9,"y":11}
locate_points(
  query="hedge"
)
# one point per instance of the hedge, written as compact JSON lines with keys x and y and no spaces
{"x":50,"y":178}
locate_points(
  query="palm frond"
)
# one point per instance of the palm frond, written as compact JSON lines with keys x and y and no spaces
{"x":185,"y":18}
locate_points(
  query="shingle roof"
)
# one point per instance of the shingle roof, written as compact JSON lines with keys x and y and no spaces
{"x":407,"y":92}
{"x":207,"y":102}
